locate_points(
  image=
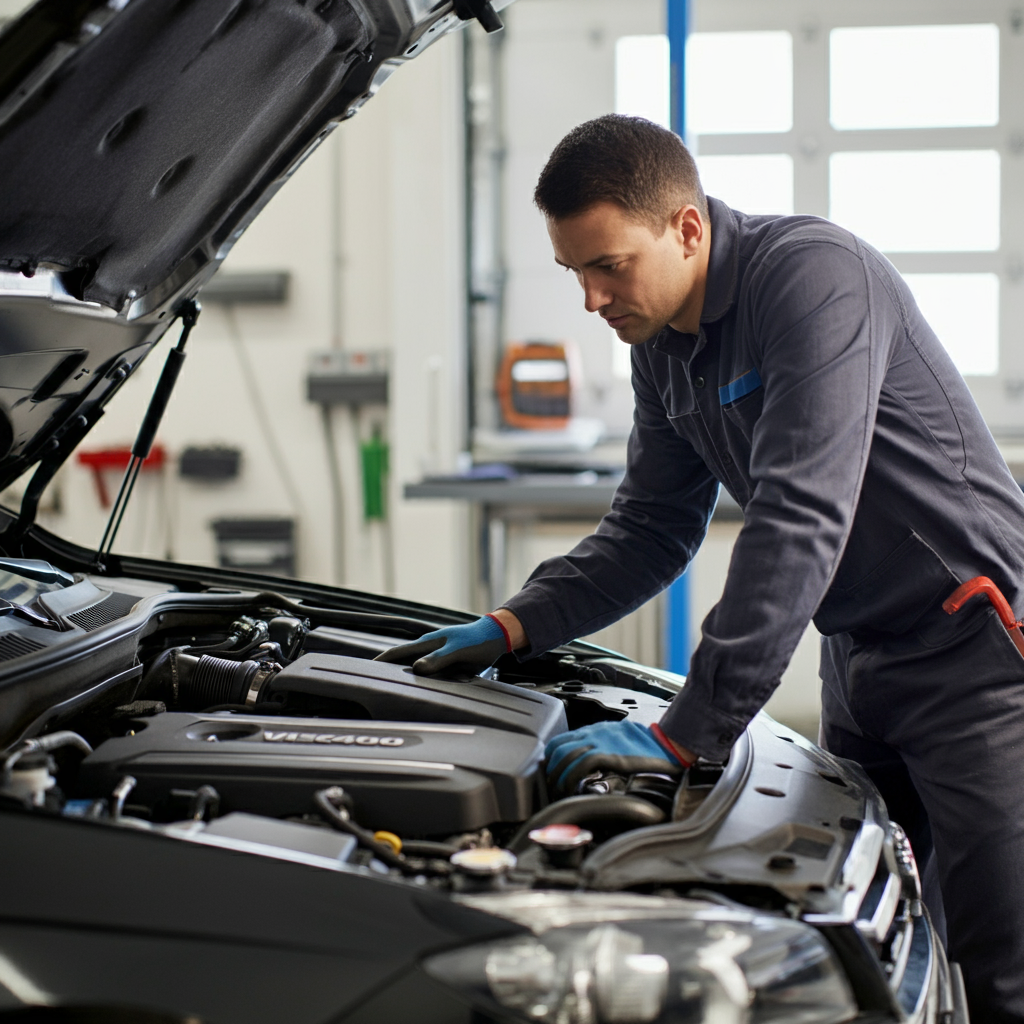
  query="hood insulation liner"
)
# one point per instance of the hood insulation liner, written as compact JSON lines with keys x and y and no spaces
{"x":142,"y":143}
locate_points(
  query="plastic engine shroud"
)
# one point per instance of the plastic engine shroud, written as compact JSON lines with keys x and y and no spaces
{"x":431,"y":757}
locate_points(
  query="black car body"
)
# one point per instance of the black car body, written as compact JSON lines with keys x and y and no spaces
{"x":215,"y":805}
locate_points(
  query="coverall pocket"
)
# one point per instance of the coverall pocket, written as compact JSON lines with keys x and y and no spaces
{"x":746,"y":412}
{"x":893,"y":597}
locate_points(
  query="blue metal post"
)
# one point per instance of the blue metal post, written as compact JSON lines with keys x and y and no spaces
{"x":677,"y":21}
{"x":677,"y":625}
{"x":677,"y":612}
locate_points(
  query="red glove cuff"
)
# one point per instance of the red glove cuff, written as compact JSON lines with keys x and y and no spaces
{"x":504,"y":631}
{"x":660,"y":736}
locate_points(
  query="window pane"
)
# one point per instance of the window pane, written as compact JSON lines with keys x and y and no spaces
{"x":963,"y":310}
{"x":915,"y":76}
{"x":642,"y":77}
{"x":739,"y":82}
{"x":753,"y":184}
{"x":903,"y":201}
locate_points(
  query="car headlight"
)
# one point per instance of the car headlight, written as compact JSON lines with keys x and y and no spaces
{"x":703,"y":966}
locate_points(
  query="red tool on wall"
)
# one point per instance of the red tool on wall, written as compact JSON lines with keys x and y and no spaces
{"x":99,"y":460}
{"x":983,"y":585}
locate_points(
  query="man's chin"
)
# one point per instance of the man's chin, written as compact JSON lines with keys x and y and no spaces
{"x":635,"y":333}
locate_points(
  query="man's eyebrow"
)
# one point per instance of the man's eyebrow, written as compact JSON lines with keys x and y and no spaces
{"x":605,"y":258}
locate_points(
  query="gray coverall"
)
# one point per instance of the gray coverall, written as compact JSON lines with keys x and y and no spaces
{"x":819,"y":397}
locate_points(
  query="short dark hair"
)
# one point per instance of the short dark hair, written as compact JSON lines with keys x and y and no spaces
{"x":630,"y":161}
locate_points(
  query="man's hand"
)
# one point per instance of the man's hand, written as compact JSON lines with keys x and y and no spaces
{"x":468,"y":648}
{"x":622,"y":747}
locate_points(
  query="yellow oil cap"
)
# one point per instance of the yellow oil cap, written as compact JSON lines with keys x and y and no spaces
{"x":390,"y":839}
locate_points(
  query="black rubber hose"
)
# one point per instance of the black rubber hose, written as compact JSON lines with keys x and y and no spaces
{"x":181,"y":678}
{"x":219,"y":681}
{"x":391,"y":625}
{"x":427,"y":848}
{"x":633,"y":811}
{"x":382,"y":851}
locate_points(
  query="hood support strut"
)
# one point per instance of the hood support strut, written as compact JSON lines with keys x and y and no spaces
{"x":11,"y":539}
{"x":189,"y":313}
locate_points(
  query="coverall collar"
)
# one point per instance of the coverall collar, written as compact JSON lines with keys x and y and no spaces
{"x":721,"y":286}
{"x":723,"y":262}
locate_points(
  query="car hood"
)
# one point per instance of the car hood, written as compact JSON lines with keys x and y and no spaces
{"x":138,"y":139}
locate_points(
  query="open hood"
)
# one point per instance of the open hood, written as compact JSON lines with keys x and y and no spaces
{"x":138,"y":139}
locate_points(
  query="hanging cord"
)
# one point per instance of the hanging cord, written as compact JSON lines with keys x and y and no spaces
{"x":147,"y":432}
{"x":337,"y":494}
{"x":388,"y":538}
{"x":263,"y":418}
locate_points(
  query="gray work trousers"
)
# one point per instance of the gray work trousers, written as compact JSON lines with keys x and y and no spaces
{"x":936,"y":718}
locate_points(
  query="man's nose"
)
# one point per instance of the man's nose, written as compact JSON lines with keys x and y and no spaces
{"x":595,"y":296}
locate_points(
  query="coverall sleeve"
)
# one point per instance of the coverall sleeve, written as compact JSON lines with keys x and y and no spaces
{"x":821,"y":369}
{"x":658,"y":518}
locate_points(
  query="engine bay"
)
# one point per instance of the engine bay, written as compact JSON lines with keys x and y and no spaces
{"x":253,"y":705}
{"x":200,"y":713}
{"x":261,"y":722}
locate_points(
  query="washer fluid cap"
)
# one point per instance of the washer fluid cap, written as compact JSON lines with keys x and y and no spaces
{"x":487,"y":861}
{"x":561,"y":837}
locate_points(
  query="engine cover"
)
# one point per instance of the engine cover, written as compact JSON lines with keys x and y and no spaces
{"x":412,"y":779}
{"x":394,"y":692}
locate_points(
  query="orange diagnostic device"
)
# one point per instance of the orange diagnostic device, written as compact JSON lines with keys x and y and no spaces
{"x":535,"y":386}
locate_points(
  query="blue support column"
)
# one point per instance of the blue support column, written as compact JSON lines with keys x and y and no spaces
{"x":677,"y":625}
{"x":677,"y":612}
{"x":677,"y":20}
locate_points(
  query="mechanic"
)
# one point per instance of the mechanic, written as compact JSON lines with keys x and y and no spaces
{"x":785,"y":359}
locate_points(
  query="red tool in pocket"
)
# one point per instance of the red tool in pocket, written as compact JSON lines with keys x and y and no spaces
{"x":983,"y":585}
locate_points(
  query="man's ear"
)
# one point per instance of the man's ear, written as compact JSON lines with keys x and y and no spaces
{"x":689,"y":227}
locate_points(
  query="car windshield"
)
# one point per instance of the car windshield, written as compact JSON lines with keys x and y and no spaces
{"x":22,"y":590}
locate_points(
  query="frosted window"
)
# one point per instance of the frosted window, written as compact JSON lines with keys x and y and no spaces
{"x":621,"y":365}
{"x":739,"y":82}
{"x":642,"y":78}
{"x":905,"y":201}
{"x":753,"y":184}
{"x":963,"y":310}
{"x":915,"y":76}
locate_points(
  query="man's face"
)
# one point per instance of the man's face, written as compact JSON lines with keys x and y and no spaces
{"x":637,"y":281}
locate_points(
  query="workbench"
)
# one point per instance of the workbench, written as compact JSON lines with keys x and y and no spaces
{"x":538,"y":496}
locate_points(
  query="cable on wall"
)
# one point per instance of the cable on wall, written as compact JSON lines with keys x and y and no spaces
{"x":262,"y":414}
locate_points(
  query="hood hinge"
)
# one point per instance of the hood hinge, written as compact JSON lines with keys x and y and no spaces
{"x":482,"y":10}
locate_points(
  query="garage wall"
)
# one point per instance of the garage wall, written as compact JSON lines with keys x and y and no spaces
{"x":402,"y":287}
{"x":560,"y":71}
{"x":398,"y":167}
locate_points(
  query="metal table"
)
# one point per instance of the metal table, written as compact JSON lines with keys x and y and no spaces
{"x":540,"y":495}
{"x":585,"y":495}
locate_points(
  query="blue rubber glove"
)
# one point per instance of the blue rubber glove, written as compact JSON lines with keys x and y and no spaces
{"x":624,"y":748}
{"x":469,"y":648}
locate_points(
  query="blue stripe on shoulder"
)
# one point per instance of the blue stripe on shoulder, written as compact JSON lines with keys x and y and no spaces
{"x":739,"y":388}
